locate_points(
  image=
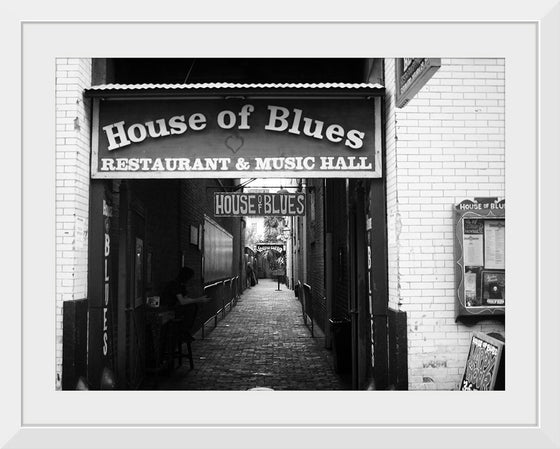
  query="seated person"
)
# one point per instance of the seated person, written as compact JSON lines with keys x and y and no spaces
{"x":175,"y":296}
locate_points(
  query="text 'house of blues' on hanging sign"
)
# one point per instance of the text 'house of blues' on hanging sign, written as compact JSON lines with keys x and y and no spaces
{"x":228,"y":204}
{"x":232,"y":138}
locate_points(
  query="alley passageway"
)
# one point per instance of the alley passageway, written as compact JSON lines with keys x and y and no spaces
{"x":262,"y":342}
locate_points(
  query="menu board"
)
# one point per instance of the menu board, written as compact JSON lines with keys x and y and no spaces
{"x":494,"y":244}
{"x":484,"y":367}
{"x":480,"y":257}
{"x":474,"y":255}
{"x":473,"y":240}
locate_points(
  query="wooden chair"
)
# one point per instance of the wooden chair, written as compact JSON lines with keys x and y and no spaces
{"x":177,"y":336}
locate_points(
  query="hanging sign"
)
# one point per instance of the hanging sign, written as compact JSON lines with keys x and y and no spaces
{"x":411,"y":74}
{"x":270,"y":246}
{"x":233,"y":138}
{"x":228,"y":204}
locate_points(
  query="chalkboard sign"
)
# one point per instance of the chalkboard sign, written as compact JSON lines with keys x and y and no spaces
{"x":484,"y":369}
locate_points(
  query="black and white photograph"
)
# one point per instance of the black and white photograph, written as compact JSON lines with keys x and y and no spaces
{"x":286,"y":231}
{"x":335,"y":198}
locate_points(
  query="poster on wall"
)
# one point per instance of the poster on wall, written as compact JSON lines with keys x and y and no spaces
{"x":473,"y":242}
{"x":493,"y":288}
{"x":494,"y":244}
{"x":473,"y":250}
{"x":470,"y":289}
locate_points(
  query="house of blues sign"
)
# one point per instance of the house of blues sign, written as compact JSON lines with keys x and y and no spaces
{"x":228,"y":204}
{"x":181,"y":137}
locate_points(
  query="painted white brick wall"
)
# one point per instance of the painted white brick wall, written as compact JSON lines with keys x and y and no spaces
{"x":72,"y":187}
{"x":445,"y":145}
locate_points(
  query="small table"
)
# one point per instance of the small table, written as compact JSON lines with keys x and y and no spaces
{"x":156,"y":320}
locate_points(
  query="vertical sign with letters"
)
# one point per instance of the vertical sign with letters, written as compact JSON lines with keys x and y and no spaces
{"x":107,"y":213}
{"x":101,"y":284}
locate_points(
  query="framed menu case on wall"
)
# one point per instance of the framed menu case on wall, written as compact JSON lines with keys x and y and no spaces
{"x":479,"y":251}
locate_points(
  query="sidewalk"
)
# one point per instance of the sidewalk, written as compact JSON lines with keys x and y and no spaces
{"x":262,"y":342}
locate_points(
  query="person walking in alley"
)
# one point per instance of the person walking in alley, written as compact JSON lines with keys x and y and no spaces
{"x":250,"y":275}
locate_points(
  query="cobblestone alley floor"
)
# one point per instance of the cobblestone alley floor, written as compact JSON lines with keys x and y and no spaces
{"x":262,"y":342}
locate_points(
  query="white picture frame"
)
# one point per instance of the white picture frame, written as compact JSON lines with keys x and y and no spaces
{"x":35,"y":415}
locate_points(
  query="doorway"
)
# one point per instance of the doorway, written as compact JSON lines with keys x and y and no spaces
{"x":135,"y":335}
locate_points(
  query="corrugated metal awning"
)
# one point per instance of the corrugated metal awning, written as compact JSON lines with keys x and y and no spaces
{"x":227,"y":89}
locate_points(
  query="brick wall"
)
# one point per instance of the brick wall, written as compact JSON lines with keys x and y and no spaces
{"x":72,"y":186}
{"x":446,"y":145}
{"x":338,"y":225}
{"x":196,"y":201}
{"x":316,"y":252}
